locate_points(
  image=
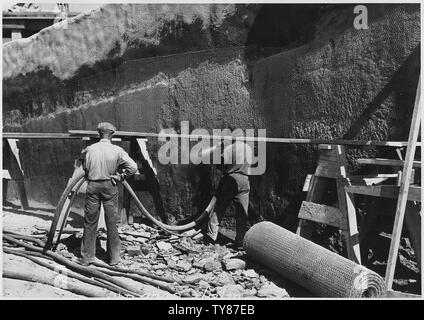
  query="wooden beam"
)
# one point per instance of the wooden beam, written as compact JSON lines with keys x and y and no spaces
{"x":6,"y":175}
{"x":14,"y":26}
{"x":322,"y":214}
{"x":404,"y":188}
{"x":385,"y":191}
{"x":258,"y":139}
{"x":413,"y":224}
{"x":371,"y":180}
{"x":347,"y":207}
{"x":307,"y":183}
{"x":401,"y":295}
{"x":388,"y":162}
{"x":15,"y":169}
{"x":315,"y":194}
{"x":143,"y":149}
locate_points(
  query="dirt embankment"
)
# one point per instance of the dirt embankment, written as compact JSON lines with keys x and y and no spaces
{"x":322,"y":79}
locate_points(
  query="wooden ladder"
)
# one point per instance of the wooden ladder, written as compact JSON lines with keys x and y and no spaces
{"x":406,"y":192}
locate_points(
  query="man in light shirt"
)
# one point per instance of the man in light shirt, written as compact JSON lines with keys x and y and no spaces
{"x":104,"y":165}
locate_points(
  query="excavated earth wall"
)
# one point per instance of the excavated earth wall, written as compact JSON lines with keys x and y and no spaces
{"x":300,"y":71}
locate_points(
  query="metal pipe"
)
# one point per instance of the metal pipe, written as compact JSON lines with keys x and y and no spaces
{"x":78,"y":134}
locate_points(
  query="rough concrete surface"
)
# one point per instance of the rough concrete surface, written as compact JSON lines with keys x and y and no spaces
{"x":164,"y":64}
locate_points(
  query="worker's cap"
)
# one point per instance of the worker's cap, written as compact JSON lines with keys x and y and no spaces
{"x":106,"y":127}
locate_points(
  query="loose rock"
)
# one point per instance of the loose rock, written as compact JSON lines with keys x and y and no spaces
{"x":234,"y":264}
{"x":212,"y":265}
{"x":162,"y":245}
{"x":250,"y":273}
{"x":133,"y":251}
{"x":230,"y":291}
{"x":183,"y":265}
{"x":223,"y":279}
{"x":193,"y":278}
{"x":272,"y":291}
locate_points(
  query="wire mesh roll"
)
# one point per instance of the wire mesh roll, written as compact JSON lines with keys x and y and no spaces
{"x":313,"y":267}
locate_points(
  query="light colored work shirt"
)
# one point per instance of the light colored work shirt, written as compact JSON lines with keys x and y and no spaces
{"x":237,"y":158}
{"x":103,"y":159}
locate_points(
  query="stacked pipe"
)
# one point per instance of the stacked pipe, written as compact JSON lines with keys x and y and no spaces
{"x":100,"y":275}
{"x":313,"y":267}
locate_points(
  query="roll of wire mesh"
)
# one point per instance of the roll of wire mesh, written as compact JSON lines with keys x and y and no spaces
{"x":311,"y":266}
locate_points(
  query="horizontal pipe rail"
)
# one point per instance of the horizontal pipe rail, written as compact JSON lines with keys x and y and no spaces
{"x":127,"y":135}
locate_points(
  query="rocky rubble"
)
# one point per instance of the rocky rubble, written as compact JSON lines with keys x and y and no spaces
{"x":199,"y":270}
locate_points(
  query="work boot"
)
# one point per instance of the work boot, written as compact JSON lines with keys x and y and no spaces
{"x":208,"y":240}
{"x":83,"y":262}
{"x":115,"y":262}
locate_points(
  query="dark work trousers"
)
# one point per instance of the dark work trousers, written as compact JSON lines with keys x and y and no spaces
{"x":233,"y":187}
{"x":101,"y":192}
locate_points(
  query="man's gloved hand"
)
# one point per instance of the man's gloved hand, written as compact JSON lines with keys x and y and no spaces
{"x":116,"y":178}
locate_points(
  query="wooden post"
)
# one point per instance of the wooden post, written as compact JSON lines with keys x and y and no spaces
{"x":15,"y":172}
{"x":347,"y":207}
{"x":413,"y":224}
{"x":404,"y":188}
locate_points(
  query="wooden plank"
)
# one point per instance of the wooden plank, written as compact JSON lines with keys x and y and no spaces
{"x":143,"y":149}
{"x":404,"y":188}
{"x":4,"y":190}
{"x":37,"y":135}
{"x":16,"y":171}
{"x":385,"y":191}
{"x":326,"y":168}
{"x":401,"y":295}
{"x":307,"y":183}
{"x":371,"y":180}
{"x":388,"y":162}
{"x":413,"y":224}
{"x":322,"y":214}
{"x":22,"y":194}
{"x":351,"y":234}
{"x":14,"y":26}
{"x":6,"y":175}
{"x":324,"y":147}
{"x":347,"y":208}
{"x":315,"y":194}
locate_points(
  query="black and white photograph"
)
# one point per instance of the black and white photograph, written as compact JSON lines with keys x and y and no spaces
{"x":221,"y":152}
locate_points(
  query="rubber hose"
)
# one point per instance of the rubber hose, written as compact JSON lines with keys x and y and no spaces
{"x":68,"y":209}
{"x":185,"y":227}
{"x":59,"y":209}
{"x":80,"y":179}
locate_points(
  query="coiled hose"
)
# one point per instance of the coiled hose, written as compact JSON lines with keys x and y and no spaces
{"x":71,"y":191}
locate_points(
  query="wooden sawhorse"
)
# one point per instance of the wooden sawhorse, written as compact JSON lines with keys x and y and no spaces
{"x":12,"y":170}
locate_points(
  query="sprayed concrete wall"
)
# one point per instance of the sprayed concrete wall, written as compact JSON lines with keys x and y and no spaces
{"x":215,"y":66}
